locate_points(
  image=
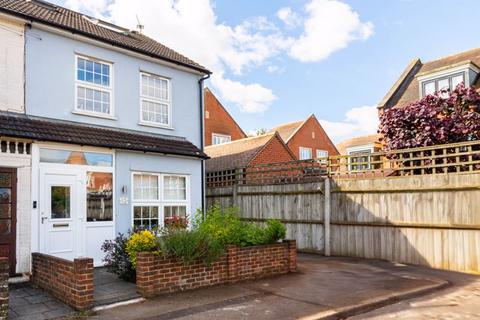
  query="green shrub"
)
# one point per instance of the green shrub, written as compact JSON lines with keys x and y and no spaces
{"x":188,"y":246}
{"x":117,"y":259}
{"x":274,"y":231}
{"x":227,"y":227}
{"x":142,"y":241}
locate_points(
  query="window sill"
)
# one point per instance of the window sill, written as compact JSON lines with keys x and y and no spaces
{"x":154,"y":125}
{"x":96,"y":115}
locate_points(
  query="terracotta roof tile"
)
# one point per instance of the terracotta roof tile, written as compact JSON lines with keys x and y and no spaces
{"x":358,"y":141}
{"x":287,"y":129}
{"x":235,"y":154}
{"x":62,"y":18}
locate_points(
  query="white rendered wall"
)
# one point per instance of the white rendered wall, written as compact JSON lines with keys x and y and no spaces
{"x":11,"y":66}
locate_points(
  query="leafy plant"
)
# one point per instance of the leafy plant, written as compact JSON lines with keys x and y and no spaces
{"x":176,"y":222}
{"x":142,"y":241}
{"x":117,"y":259}
{"x":274,"y":231}
{"x":440,"y":118}
{"x":188,"y":246}
{"x":227,"y":227}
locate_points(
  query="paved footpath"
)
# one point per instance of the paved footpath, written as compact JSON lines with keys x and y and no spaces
{"x":323,"y":288}
{"x":458,"y":302}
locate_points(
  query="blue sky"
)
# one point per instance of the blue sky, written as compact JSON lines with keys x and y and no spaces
{"x":271,"y":65}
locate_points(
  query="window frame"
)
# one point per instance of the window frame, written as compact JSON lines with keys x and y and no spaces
{"x":324,"y":158}
{"x":436,"y":80}
{"x":161,"y":202}
{"x":219,"y":135}
{"x":92,"y":86}
{"x":300,"y":153}
{"x":155,"y":100}
{"x":360,"y":150}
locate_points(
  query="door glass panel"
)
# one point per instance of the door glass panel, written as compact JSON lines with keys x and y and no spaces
{"x":60,"y":202}
{"x":99,"y":196}
{"x":5,"y":195}
{"x":5,"y":211}
{"x":5,"y":226}
{"x":5,"y":179}
{"x":76,"y":157}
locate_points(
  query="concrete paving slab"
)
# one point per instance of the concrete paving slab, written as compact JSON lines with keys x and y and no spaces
{"x":323,"y":288}
{"x":29,"y":302}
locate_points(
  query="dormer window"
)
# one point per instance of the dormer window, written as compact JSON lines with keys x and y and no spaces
{"x":447,"y":77}
{"x":444,"y":83}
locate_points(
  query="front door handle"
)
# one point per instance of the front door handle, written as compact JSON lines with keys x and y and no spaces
{"x":43,"y":218}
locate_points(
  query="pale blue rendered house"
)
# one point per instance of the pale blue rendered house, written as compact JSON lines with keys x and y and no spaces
{"x":101,"y":130}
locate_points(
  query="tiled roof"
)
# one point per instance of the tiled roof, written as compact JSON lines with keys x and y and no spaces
{"x":358,"y":141}
{"x":286,"y":130}
{"x":235,"y":154}
{"x":408,"y":90}
{"x":43,"y":129}
{"x":59,"y":17}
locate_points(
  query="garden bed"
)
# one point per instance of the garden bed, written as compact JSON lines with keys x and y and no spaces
{"x":157,"y":274}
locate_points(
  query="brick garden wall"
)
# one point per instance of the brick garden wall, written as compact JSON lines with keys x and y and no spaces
{"x":69,"y":281}
{"x":4,"y":265}
{"x":156,"y":274}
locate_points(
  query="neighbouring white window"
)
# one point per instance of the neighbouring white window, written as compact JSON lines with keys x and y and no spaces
{"x":155,"y":100}
{"x":159,"y":197}
{"x":322,"y":153}
{"x":449,"y":82}
{"x":360,"y":159}
{"x":93,"y":86}
{"x":220,"y":138}
{"x":305,"y":153}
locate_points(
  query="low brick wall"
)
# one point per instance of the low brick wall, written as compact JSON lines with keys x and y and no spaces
{"x":69,"y":281}
{"x":4,"y":269}
{"x":157,"y":275}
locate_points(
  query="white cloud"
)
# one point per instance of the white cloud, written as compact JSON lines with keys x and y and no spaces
{"x":358,"y":121}
{"x":276,"y":69}
{"x":95,"y":8}
{"x":289,"y":17}
{"x":192,"y":28}
{"x":252,"y":98}
{"x":330,"y":25}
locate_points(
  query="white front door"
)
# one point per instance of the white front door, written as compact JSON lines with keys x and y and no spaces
{"x":61,"y":213}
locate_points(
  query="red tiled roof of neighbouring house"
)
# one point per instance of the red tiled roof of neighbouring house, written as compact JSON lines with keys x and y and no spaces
{"x":240,"y":153}
{"x":359,"y":141}
{"x":75,"y":22}
{"x":235,"y":154}
{"x":42,"y":129}
{"x":287,"y":130}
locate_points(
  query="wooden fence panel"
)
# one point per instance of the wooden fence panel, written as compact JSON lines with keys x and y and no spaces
{"x":431,"y":220}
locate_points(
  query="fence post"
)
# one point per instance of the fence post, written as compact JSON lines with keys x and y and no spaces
{"x":326,"y":218}
{"x":235,"y":187}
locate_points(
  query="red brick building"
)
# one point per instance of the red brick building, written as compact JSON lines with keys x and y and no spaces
{"x":220,"y":127}
{"x":306,"y":139}
{"x":263,"y":149}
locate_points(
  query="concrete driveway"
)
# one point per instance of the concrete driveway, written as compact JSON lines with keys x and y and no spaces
{"x":323,"y":288}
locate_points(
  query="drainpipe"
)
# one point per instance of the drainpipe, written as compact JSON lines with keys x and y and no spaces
{"x":202,"y":142}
